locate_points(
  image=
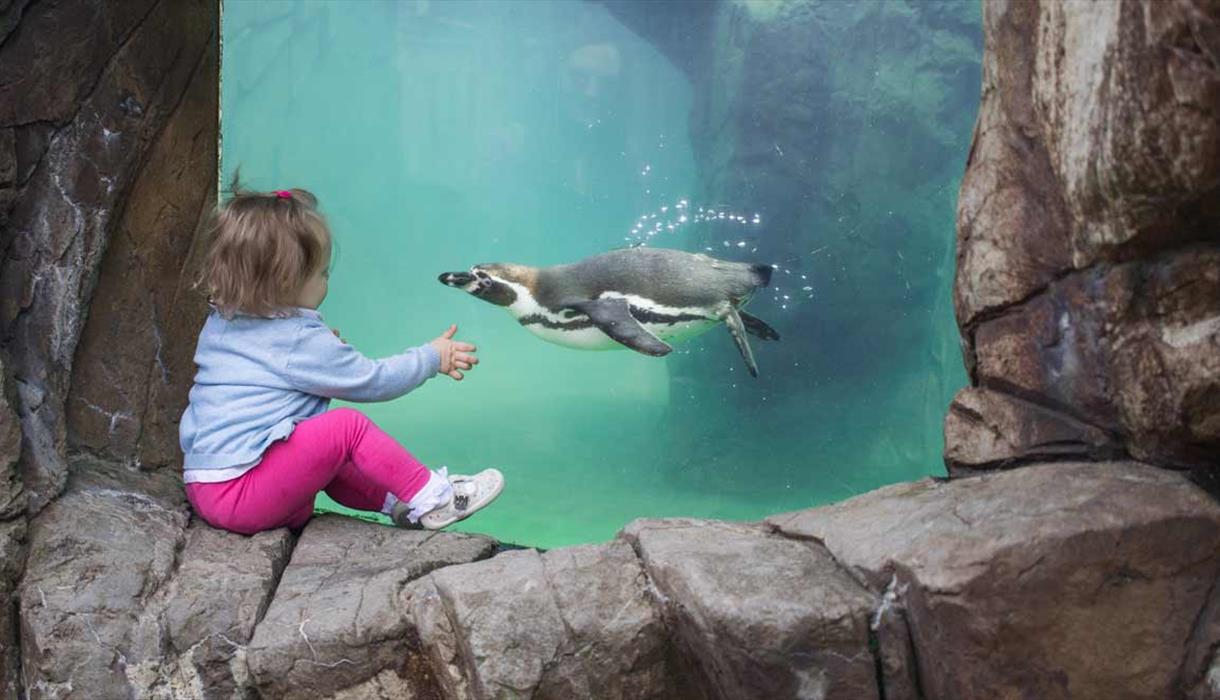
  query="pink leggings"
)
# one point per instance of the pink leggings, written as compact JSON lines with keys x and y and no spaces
{"x":341,"y":452}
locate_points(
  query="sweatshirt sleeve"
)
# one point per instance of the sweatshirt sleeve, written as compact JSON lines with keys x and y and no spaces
{"x":323,"y":365}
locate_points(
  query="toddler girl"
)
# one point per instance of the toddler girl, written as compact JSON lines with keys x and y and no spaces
{"x":258,"y":440}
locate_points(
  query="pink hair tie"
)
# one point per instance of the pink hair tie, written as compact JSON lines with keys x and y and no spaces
{"x":283,"y":194}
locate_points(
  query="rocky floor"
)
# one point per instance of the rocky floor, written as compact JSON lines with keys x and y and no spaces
{"x":1088,"y":580}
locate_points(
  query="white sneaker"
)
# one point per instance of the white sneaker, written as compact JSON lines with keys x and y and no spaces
{"x":470,"y":493}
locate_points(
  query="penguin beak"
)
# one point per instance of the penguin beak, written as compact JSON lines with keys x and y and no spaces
{"x":456,"y":279}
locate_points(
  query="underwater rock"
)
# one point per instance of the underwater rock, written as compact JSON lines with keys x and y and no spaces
{"x":1080,"y":580}
{"x":845,"y":125}
{"x":577,"y":622}
{"x":81,"y":120}
{"x":1088,"y":280}
{"x":336,"y":626}
{"x":760,"y":616}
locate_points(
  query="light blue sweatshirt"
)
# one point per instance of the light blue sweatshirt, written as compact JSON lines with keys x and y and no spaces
{"x":259,"y":377}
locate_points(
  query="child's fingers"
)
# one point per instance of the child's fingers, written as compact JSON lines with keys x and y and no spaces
{"x":457,"y":376}
{"x":469,"y":359}
{"x":452,"y":331}
{"x":463,"y":347}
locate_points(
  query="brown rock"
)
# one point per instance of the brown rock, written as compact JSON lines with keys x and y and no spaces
{"x":114,"y":77}
{"x":1132,"y":349}
{"x":760,"y":616}
{"x":1086,"y":580}
{"x":1128,"y":95}
{"x":134,"y":364}
{"x":572,"y":623}
{"x":336,"y":626}
{"x":1087,"y":253}
{"x":1013,"y":231}
{"x":986,"y":429}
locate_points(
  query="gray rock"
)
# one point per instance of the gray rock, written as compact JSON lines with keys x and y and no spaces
{"x":97,"y":556}
{"x":189,"y":640}
{"x":12,"y":561}
{"x":121,"y":598}
{"x":760,"y":616}
{"x":1086,"y":579}
{"x":573,"y":623}
{"x":616,"y":644}
{"x":12,"y":497}
{"x":336,"y":626}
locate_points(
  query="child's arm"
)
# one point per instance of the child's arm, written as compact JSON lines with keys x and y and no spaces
{"x":323,"y":365}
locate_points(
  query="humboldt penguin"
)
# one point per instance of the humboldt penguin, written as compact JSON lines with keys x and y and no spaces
{"x":640,"y":298}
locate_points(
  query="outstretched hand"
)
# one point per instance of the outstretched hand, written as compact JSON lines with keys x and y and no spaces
{"x":456,"y":356}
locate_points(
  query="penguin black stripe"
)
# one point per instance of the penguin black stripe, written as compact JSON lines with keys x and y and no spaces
{"x":640,"y":313}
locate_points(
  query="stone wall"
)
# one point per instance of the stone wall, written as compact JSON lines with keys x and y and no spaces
{"x":1060,"y":581}
{"x":108,"y":126}
{"x":1088,"y":278}
{"x":108,"y":147}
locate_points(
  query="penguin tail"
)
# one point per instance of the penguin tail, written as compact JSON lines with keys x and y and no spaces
{"x":762,"y":274}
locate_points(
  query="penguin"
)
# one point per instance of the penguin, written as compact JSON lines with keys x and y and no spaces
{"x":639,"y":298}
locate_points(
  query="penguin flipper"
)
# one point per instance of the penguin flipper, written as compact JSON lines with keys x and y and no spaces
{"x":737,"y":329}
{"x":613,"y":317}
{"x":757,"y":326}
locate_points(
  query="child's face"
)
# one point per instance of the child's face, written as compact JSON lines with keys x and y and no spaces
{"x":314,"y":290}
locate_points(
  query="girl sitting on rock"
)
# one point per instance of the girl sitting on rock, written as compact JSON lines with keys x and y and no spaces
{"x":258,"y":440}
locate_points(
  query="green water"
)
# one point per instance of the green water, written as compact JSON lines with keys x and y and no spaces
{"x":439,"y":135}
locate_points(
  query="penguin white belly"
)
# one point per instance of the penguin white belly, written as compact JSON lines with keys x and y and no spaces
{"x":683,"y":330}
{"x":574,"y":330}
{"x":591,"y":338}
{"x":581,"y":339}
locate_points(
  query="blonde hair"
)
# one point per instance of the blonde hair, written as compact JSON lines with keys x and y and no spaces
{"x":264,"y":247}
